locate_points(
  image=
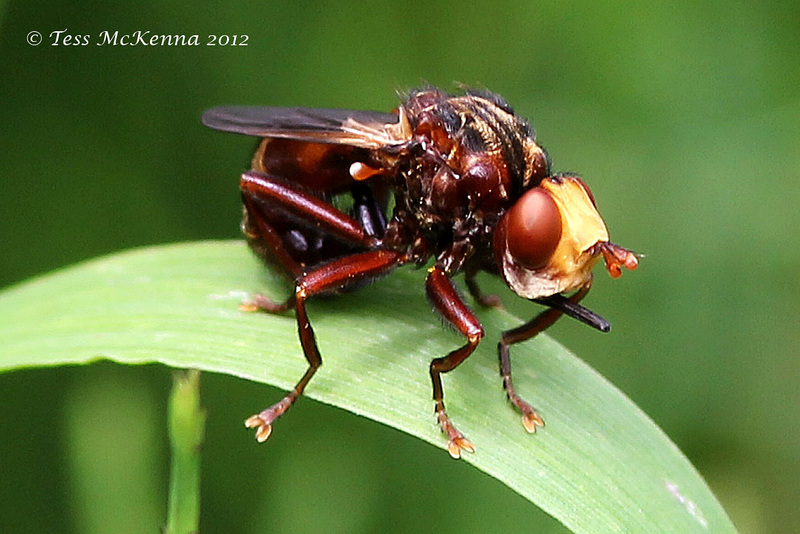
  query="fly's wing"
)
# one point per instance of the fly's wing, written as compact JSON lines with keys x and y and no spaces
{"x":364,"y":129}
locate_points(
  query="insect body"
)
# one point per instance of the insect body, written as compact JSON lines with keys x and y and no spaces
{"x":469,"y":188}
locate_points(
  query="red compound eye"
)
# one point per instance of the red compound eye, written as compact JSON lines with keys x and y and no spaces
{"x":533,"y":229}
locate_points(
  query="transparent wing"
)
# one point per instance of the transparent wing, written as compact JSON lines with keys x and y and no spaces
{"x":365,"y":129}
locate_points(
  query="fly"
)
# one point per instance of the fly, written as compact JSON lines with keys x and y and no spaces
{"x":457,"y":182}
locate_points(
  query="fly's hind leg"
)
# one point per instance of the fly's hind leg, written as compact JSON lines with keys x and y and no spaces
{"x":337,"y":274}
{"x":262,"y":421}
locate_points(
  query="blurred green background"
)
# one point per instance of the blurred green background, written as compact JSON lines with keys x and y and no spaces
{"x":682,"y":116}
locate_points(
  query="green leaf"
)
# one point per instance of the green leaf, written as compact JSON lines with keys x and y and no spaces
{"x":186,"y":427}
{"x":600,"y":465}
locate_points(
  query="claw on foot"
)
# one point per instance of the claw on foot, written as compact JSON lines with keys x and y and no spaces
{"x":248,"y":306}
{"x":261,"y":303}
{"x":458,"y":444}
{"x":262,"y":421}
{"x":531,"y":420}
{"x":263,"y":428}
{"x":490,"y":301}
{"x":457,"y":441}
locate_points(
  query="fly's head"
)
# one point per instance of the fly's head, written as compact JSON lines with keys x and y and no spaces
{"x":548,"y":242}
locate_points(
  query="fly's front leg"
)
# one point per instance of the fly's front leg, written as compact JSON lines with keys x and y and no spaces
{"x":530,"y":417}
{"x":485,"y":300}
{"x":448,"y":303}
{"x":338,"y":274}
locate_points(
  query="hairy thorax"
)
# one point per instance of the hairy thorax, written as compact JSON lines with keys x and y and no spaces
{"x":473,"y":159}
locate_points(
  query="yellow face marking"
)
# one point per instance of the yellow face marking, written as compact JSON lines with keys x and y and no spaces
{"x":581,"y":223}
